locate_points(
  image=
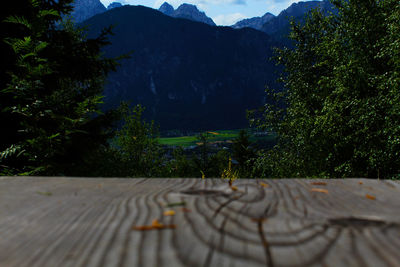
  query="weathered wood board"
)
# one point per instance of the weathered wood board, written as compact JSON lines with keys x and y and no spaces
{"x":91,"y":222}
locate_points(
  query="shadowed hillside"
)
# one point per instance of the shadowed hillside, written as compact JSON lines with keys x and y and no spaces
{"x":187,"y":74}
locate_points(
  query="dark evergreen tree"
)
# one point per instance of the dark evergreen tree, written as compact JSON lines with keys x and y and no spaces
{"x":243,"y":153}
{"x":203,"y":161}
{"x":52,"y":80}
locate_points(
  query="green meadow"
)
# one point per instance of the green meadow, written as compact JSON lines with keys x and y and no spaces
{"x":223,"y":136}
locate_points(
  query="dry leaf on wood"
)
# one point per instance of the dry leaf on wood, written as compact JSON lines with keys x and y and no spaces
{"x":370,"y":197}
{"x":154,"y":225}
{"x":318,"y":183}
{"x":169,"y":213}
{"x":142,"y":227}
{"x":185,"y":210}
{"x":320,"y":190}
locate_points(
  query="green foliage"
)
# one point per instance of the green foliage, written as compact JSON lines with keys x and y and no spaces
{"x":219,"y":162}
{"x":191,"y":140}
{"x":243,"y":152}
{"x":229,"y":173}
{"x":338,"y":115}
{"x":203,"y":161}
{"x":181,"y":165}
{"x":209,"y":163}
{"x":138,"y":144}
{"x":50,"y":91}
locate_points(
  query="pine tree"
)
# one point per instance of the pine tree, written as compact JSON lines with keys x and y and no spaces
{"x":51,"y":92}
{"x":243,"y":152}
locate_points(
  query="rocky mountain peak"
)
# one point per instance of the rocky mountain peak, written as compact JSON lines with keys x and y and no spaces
{"x":114,"y":5}
{"x":167,"y":9}
{"x":187,"y":8}
{"x":84,"y":9}
{"x":267,"y":16}
{"x":186,"y":11}
{"x":255,"y":23}
{"x":280,"y":25}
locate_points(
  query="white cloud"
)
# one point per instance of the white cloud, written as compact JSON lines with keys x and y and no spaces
{"x":228,"y":19}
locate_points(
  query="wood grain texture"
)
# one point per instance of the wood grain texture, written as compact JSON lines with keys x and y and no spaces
{"x":292,"y":222}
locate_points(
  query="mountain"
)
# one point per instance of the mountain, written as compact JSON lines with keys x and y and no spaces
{"x":255,"y":23}
{"x":279,"y":26}
{"x":114,"y":5}
{"x":167,"y":9}
{"x":186,"y":11}
{"x":84,"y":9}
{"x":188,"y":75}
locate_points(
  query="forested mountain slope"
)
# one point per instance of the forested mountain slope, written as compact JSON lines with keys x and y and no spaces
{"x":188,"y":75}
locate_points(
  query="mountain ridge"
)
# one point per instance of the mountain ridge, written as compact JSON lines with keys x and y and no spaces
{"x":188,"y":74}
{"x":255,"y":22}
{"x":186,"y":81}
{"x":85,"y":9}
{"x":114,"y":5}
{"x":280,"y":25}
{"x":186,"y":11}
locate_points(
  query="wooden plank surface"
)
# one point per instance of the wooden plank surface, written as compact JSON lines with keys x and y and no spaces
{"x":292,"y":222}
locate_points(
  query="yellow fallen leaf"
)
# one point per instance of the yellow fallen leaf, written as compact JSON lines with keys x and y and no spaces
{"x":234,"y":188}
{"x":169,"y":213}
{"x":360,"y":182}
{"x":370,"y":197}
{"x":264,"y":184}
{"x":320,"y":190}
{"x":156,"y":224}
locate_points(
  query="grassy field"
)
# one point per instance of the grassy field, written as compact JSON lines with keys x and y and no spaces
{"x":226,"y":136}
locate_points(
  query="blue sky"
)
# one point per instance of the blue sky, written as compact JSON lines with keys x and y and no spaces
{"x":223,"y":12}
